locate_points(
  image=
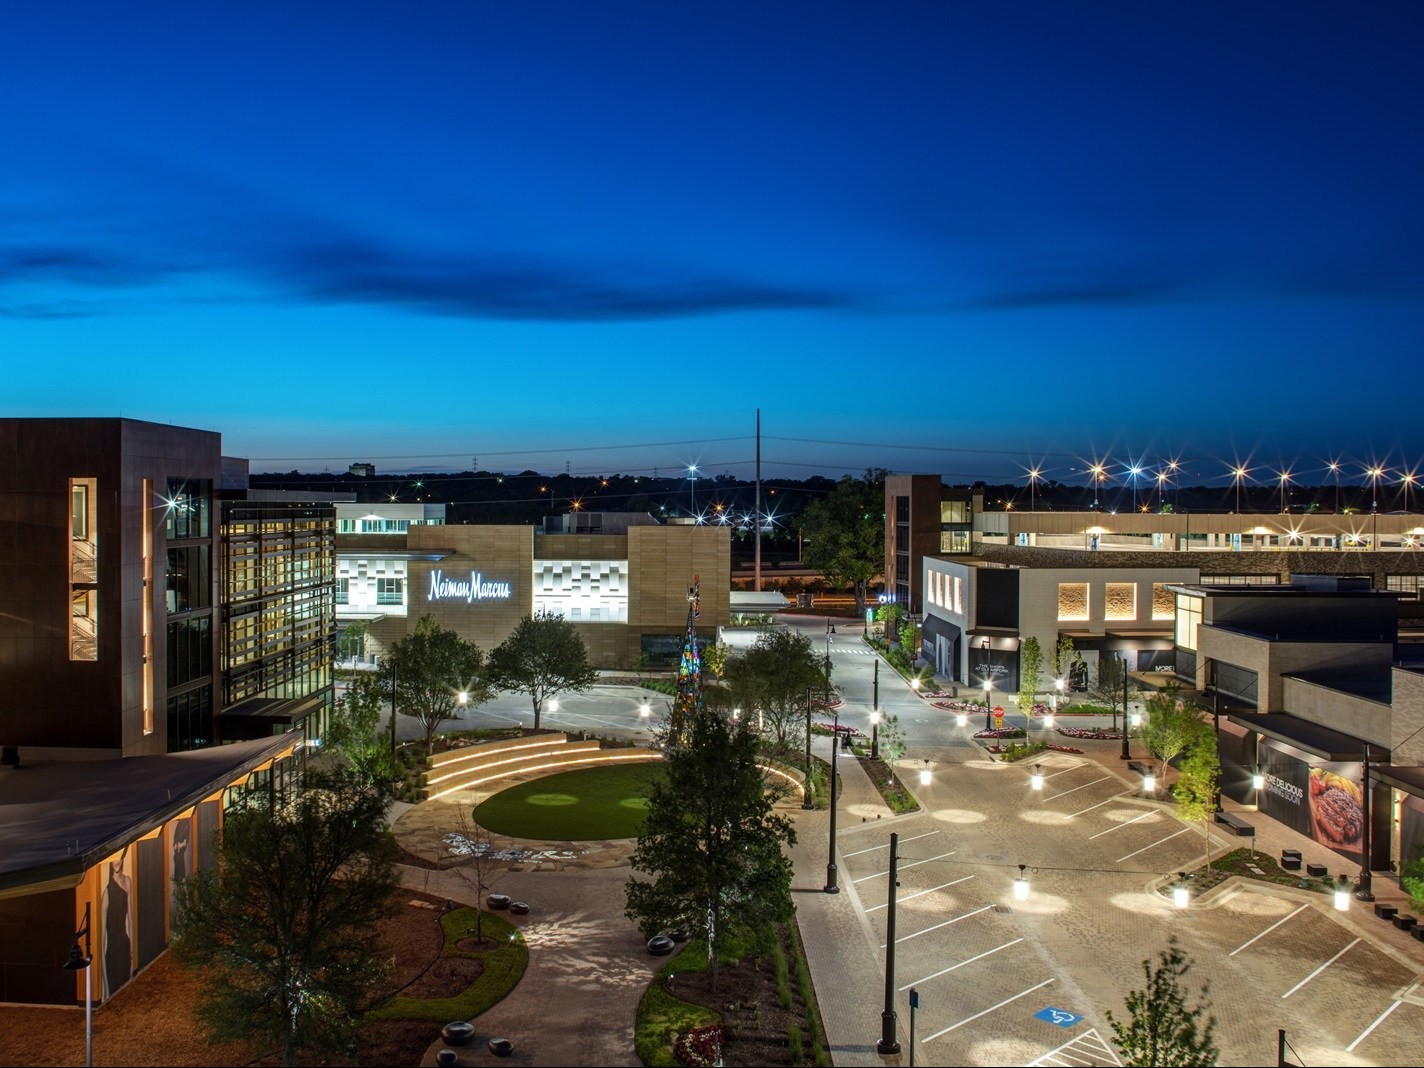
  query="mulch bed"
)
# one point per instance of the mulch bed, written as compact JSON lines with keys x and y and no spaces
{"x":753,"y":1022}
{"x":152,"y":1020}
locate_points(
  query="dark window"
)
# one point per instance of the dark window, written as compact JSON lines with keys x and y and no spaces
{"x":190,"y":720}
{"x":663,"y":650}
{"x":190,"y":650}
{"x":343,"y":591}
{"x":1237,"y":685}
{"x":390,"y":591}
{"x":189,"y":584}
{"x":902,"y":509}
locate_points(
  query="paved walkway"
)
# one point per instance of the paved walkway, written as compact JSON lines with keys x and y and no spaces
{"x":849,"y":985}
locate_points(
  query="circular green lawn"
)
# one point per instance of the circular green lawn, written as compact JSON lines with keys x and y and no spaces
{"x":590,"y":803}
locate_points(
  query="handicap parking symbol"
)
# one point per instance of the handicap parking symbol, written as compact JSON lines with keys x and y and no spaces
{"x":1057,"y":1016}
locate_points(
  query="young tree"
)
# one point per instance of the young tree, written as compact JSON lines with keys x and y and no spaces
{"x":1030,"y":673}
{"x":477,"y":862}
{"x":352,"y":642}
{"x":892,"y":740}
{"x":773,"y":675}
{"x":432,"y":668}
{"x":286,"y":924}
{"x":1195,"y":790}
{"x":714,"y":657}
{"x":1161,"y":1028}
{"x":712,"y":845}
{"x":1107,"y":684}
{"x":845,"y":532}
{"x":1062,"y":657}
{"x":543,"y":657}
{"x":1172,"y":726}
{"x":356,"y":731}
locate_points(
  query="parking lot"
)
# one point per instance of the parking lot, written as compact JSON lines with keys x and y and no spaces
{"x":1004,"y":981}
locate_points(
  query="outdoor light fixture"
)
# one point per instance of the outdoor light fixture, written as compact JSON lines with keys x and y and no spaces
{"x":925,"y":774}
{"x":464,"y":698}
{"x":1181,"y":896}
{"x":1036,"y":779}
{"x":736,"y":714}
{"x":1048,"y":721}
{"x":1342,"y":895}
{"x":1149,"y":783}
{"x":1021,"y":884}
{"x":960,"y":719}
{"x":83,"y":960}
{"x":1258,"y":781}
{"x":915,"y":685}
{"x":1136,"y":719}
{"x":875,"y":719}
{"x":988,"y":688}
{"x":644,"y":711}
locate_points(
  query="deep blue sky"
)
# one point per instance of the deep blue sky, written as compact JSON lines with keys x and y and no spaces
{"x":415,"y":234}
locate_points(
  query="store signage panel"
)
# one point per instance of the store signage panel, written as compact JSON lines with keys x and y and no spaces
{"x":469,"y":589}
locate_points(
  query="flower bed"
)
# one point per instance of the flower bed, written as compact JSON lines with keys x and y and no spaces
{"x":1000,"y":732}
{"x":958,"y":706}
{"x":835,"y":728}
{"x":1090,"y":733}
{"x":700,"y":1047}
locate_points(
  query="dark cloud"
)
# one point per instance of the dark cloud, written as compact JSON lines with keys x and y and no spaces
{"x":508,"y":288}
{"x":316,"y":263}
{"x":1072,"y":296}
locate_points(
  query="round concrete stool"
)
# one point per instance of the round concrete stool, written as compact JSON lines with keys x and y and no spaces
{"x":501,"y":1047}
{"x":458,"y":1033}
{"x":447,"y":1057}
{"x":660,"y":945}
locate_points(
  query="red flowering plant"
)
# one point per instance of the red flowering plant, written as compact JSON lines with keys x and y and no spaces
{"x":700,"y":1047}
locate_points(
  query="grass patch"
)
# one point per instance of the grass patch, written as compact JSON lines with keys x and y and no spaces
{"x":504,"y":965}
{"x":589,"y":803}
{"x":1238,"y":862}
{"x":662,"y":1016}
{"x":892,"y":789}
{"x":1014,"y":751}
{"x":1089,"y":710}
{"x":814,"y":1023}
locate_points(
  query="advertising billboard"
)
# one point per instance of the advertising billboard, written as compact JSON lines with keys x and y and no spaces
{"x":1323,"y":801}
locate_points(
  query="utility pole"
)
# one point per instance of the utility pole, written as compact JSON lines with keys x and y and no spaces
{"x":888,"y":1043}
{"x":756,"y":537}
{"x":1125,"y":728}
{"x":806,"y":802}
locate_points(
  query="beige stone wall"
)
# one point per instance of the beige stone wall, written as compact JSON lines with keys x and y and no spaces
{"x":498,"y":553}
{"x":661,"y":564}
{"x":1407,"y":728}
{"x":1358,"y":716}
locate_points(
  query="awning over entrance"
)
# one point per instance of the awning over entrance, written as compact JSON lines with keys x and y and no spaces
{"x":258,"y":717}
{"x":1324,"y":742}
{"x":1408,"y":779}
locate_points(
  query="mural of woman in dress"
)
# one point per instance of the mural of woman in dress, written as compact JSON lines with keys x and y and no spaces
{"x":180,"y":845}
{"x":118,"y":924}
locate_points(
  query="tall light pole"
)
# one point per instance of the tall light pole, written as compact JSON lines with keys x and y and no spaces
{"x":1240,"y":474}
{"x":806,"y":802}
{"x":393,"y":707}
{"x":1375,"y":473}
{"x":831,"y":887}
{"x":1161,"y":498}
{"x":1099,"y":476}
{"x":1033,"y":473}
{"x":1408,"y":480}
{"x":692,"y":489}
{"x":889,"y":1044}
{"x":1335,"y":470}
{"x":1176,"y":485}
{"x":1366,"y":891}
{"x":1285,"y":479}
{"x":1134,"y":471}
{"x":84,"y":960}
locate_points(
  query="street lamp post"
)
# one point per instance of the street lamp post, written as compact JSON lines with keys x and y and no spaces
{"x":1285,"y":479}
{"x":806,"y":802}
{"x":1239,"y":473}
{"x":84,"y":960}
{"x":889,"y":1044}
{"x":1216,"y":725}
{"x":1125,"y":755}
{"x":831,"y":887}
{"x":1335,"y":470}
{"x":988,"y":686}
{"x":394,"y":667}
{"x":1366,"y":892}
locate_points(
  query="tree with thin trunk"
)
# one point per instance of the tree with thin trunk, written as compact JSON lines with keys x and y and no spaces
{"x":1062,"y":656}
{"x":711,"y":856}
{"x":432,"y":668}
{"x":1161,"y":1028}
{"x":356,"y":731}
{"x":1030,"y":673}
{"x":544,"y":656}
{"x":1172,"y":726}
{"x":477,"y":862}
{"x":286,"y":925}
{"x":1195,"y":789}
{"x":1107,"y":684}
{"x":773,"y":675}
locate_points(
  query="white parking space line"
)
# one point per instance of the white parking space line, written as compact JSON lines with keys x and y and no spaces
{"x":1268,"y":930}
{"x":1065,"y":771}
{"x":872,"y":849}
{"x":1090,"y":1044}
{"x":1120,"y":826}
{"x":920,"y":893}
{"x":937,"y":926}
{"x":991,"y":1008}
{"x":1075,"y":789}
{"x":1154,"y":845}
{"x":961,"y":964}
{"x":1090,"y":808}
{"x":1378,"y":1020}
{"x":1317,"y":971}
{"x":902,"y":867}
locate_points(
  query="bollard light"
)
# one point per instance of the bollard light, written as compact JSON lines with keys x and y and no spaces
{"x":644,"y":711}
{"x":961,"y":719}
{"x":925,"y":774}
{"x":1149,"y":783}
{"x":1036,"y":779}
{"x":1342,"y":895}
{"x":1048,"y":721}
{"x":1136,"y":719}
{"x":553,"y":704}
{"x":915,"y":685}
{"x":464,"y":698}
{"x":1021,"y":884}
{"x":1181,"y":896}
{"x":736,"y":714}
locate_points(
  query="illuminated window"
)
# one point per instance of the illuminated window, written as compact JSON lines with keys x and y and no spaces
{"x":1120,"y":600}
{"x":1189,"y":615}
{"x":1072,"y":600}
{"x":958,"y":595}
{"x":1164,"y":605}
{"x":84,"y":625}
